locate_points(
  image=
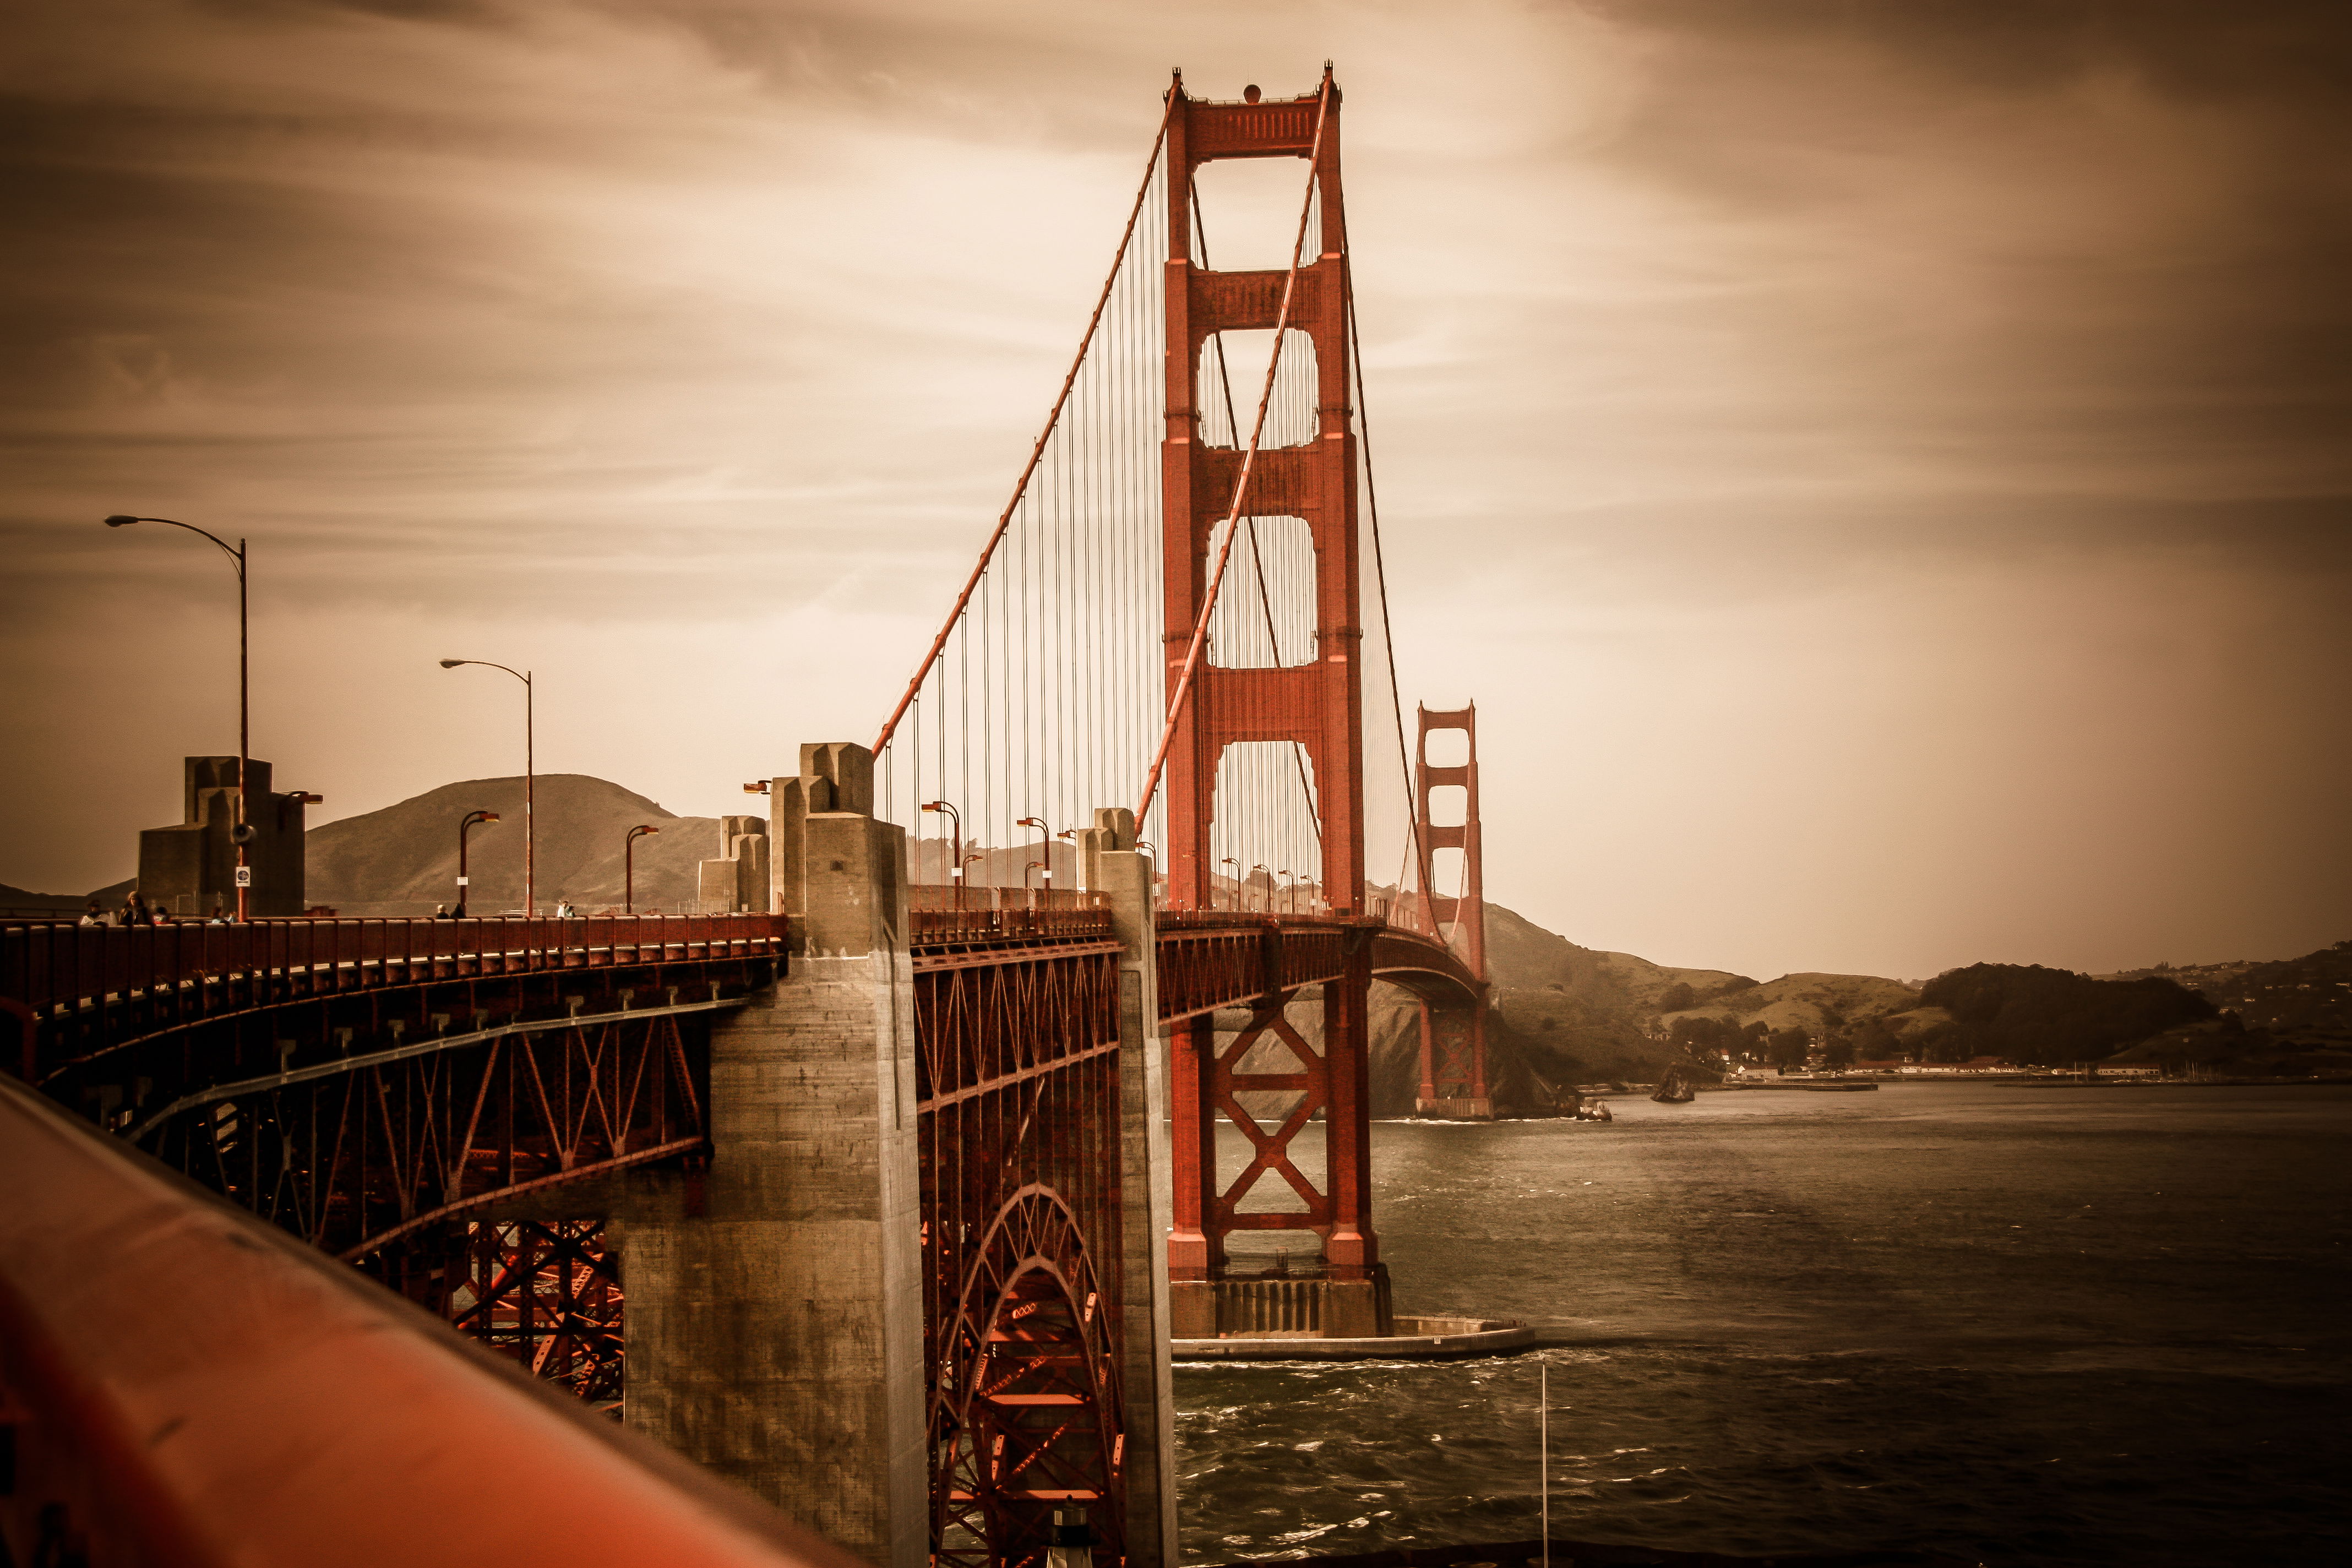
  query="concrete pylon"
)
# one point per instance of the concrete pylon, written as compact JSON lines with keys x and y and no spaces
{"x":775,"y":1330}
{"x":738,"y":880}
{"x":1110,"y":865}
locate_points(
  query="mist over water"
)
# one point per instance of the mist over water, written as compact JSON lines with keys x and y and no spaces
{"x":2030,"y":1326}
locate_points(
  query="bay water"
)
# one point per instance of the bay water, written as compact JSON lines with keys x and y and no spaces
{"x":2032,"y":1326}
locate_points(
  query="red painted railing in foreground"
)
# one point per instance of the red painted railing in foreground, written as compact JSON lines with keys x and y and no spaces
{"x":204,"y":968}
{"x":185,"y":1386}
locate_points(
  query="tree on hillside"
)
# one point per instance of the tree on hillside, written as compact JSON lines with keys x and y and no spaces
{"x":1874,"y":1042}
{"x":1677,"y":997}
{"x":1788,"y":1047}
{"x":1839,"y":1052}
{"x":2050,"y":1016}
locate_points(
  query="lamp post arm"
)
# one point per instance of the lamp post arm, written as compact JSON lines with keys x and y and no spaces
{"x":235,"y":552}
{"x":529,"y":778}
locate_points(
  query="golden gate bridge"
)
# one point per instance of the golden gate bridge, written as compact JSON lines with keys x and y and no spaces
{"x":885,"y":1195}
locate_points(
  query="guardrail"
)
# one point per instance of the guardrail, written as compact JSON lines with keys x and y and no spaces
{"x":184,"y":1386}
{"x":951,"y":916}
{"x":52,"y":965}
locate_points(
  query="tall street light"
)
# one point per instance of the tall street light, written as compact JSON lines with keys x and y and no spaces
{"x":530,"y":823}
{"x":466,"y":825}
{"x":1045,"y":847}
{"x":955,"y":842}
{"x":1237,"y":864}
{"x":629,"y":867}
{"x":242,"y":833}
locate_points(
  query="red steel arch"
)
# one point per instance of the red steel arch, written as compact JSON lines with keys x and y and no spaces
{"x":1025,"y":1409}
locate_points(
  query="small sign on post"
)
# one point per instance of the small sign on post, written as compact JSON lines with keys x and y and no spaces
{"x":245,"y":876}
{"x":463,"y":881}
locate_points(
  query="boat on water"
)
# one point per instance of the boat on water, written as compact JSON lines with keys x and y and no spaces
{"x":1569,"y":1104}
{"x":1676,"y":1087}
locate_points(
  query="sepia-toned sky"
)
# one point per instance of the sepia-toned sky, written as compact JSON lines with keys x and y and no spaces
{"x":1880,"y":466}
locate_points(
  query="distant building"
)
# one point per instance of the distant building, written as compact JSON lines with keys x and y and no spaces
{"x":190,"y":866}
{"x":1948,"y":1069}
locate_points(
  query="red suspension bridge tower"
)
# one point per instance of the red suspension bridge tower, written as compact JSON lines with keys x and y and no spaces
{"x":1308,"y":697}
{"x":1453,"y":1042}
{"x":1318,"y":703}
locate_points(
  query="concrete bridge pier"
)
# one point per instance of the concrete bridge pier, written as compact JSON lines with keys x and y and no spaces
{"x":1111,"y":865}
{"x":775,"y":1330}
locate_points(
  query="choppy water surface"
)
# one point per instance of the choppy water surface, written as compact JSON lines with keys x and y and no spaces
{"x":2031,"y":1326}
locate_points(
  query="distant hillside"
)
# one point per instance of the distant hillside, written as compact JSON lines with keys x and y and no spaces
{"x":2051,"y":1018}
{"x":1813,"y":1002}
{"x":2294,"y":997}
{"x":25,"y":903}
{"x":403,"y":859}
{"x":21,"y":899}
{"x":1567,"y":1015}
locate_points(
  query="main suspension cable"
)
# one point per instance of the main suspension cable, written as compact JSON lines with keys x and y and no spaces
{"x":1414,"y":847}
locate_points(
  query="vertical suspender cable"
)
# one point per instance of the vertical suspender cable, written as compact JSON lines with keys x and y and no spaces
{"x":1020,"y":486}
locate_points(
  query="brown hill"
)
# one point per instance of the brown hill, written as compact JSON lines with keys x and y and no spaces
{"x":403,"y":859}
{"x":1813,"y":1002}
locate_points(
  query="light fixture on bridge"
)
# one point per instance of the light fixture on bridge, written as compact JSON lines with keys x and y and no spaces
{"x":629,"y":864}
{"x":758,"y":786}
{"x":466,"y":825}
{"x":529,"y":778}
{"x":1045,"y":847}
{"x":242,"y":833}
{"x":955,"y":837}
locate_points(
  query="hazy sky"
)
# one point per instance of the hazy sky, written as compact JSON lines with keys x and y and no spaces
{"x":1880,"y":466}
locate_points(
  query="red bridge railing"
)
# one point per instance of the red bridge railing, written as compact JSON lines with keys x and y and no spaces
{"x":192,"y":970}
{"x":184,"y":1386}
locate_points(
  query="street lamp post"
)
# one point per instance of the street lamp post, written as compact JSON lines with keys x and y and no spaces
{"x":242,"y":833}
{"x":955,"y":844}
{"x":530,"y":823}
{"x":629,"y":867}
{"x":464,"y":826}
{"x":1045,"y":847}
{"x":1237,"y":864}
{"x":1268,"y":884}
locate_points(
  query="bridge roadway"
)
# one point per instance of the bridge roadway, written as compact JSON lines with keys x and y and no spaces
{"x":416,"y":1096}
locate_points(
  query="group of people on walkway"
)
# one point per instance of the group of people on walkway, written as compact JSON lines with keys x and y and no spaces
{"x":135,"y":910}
